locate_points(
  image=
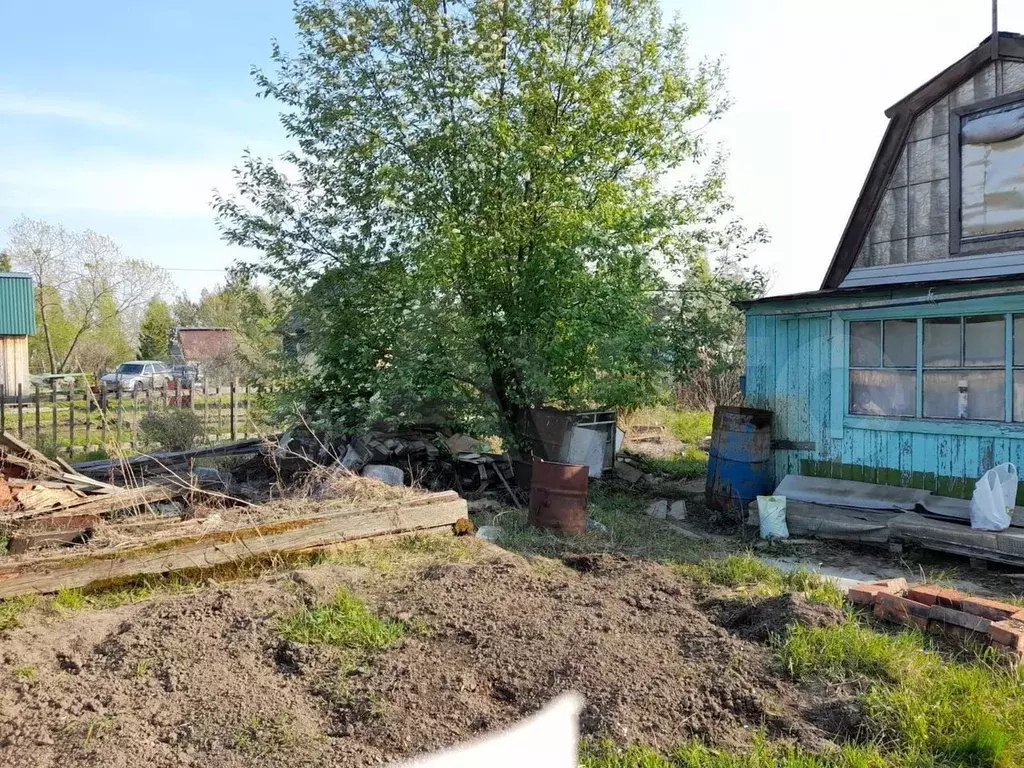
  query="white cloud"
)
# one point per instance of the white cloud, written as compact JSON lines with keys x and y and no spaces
{"x":24,"y":105}
{"x":115,"y":185}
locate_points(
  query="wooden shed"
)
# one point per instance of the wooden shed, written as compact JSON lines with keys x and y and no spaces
{"x":17,"y":323}
{"x":907,"y":366}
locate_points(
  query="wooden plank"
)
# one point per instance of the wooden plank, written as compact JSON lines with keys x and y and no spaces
{"x":315,"y":533}
{"x":165,"y":457}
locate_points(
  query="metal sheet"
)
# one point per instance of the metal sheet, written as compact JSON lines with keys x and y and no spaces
{"x":992,"y":186}
{"x":960,"y":268}
{"x":850,"y":493}
{"x":17,"y":305}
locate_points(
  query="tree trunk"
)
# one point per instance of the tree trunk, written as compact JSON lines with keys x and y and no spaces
{"x":509,"y":396}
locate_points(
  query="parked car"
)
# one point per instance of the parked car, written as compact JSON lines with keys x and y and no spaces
{"x":137,"y":375}
{"x":186,"y":376}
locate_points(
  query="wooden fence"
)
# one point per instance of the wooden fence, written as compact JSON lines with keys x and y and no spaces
{"x":76,"y":421}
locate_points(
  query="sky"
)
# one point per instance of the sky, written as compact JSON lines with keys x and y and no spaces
{"x":123,"y":117}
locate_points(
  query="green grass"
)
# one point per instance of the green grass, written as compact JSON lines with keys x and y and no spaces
{"x":12,"y":608}
{"x":745,"y":573}
{"x":763,"y":754}
{"x":343,"y":622}
{"x":630,"y":532}
{"x":70,"y":600}
{"x":690,"y":426}
{"x":689,"y":463}
{"x":926,"y":709}
{"x":26,"y":673}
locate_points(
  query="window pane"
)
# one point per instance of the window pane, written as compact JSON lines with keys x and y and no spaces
{"x":1018,"y":339}
{"x":1018,"y":395}
{"x":900,"y":344}
{"x":865,"y":344}
{"x":942,"y":342}
{"x":984,"y":396}
{"x":883,"y":393}
{"x":984,"y":341}
{"x":992,"y":172}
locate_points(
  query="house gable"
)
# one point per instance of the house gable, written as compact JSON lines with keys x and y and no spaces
{"x":903,"y":227}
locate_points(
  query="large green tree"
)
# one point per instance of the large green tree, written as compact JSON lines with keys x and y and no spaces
{"x":487,"y":199}
{"x":155,"y":330}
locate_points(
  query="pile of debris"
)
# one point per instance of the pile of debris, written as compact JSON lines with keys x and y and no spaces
{"x":73,"y":526}
{"x":428,"y":457}
{"x":45,"y":501}
{"x":945,"y":611}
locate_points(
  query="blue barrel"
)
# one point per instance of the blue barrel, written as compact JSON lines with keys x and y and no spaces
{"x":739,"y":468}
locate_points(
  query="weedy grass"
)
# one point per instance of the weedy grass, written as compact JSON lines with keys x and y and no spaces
{"x":628,"y":532}
{"x":926,"y":709}
{"x":763,"y":754}
{"x":689,"y":463}
{"x":748,"y":575}
{"x":26,"y":673}
{"x":11,"y":609}
{"x":343,"y":622}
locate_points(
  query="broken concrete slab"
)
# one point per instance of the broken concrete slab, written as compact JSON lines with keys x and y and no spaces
{"x":658,"y":509}
{"x":677,"y":510}
{"x":627,"y":473}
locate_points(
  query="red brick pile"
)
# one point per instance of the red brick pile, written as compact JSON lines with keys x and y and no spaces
{"x":945,"y":611}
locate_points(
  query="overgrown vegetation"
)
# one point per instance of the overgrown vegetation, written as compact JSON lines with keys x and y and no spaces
{"x":629,"y":532}
{"x":12,"y":608}
{"x":175,"y":429}
{"x":746,"y":574}
{"x":690,"y":463}
{"x":926,"y":709}
{"x":343,"y":622}
{"x":764,"y":754}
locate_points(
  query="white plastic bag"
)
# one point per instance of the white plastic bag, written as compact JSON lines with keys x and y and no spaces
{"x":772,"y":512}
{"x":994,"y":497}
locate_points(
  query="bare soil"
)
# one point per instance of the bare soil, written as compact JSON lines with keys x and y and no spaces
{"x":204,"y":679}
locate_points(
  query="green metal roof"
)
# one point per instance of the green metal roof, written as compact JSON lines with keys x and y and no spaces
{"x":17,"y":304}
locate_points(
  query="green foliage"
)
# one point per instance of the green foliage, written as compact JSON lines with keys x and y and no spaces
{"x":484,"y":198}
{"x":705,"y":329}
{"x":155,"y":331}
{"x":69,"y":600}
{"x":745,"y":572}
{"x":344,"y":622}
{"x":175,"y":429}
{"x":931,"y":710}
{"x":5,"y":261}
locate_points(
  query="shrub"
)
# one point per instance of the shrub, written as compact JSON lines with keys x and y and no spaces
{"x":173,"y":430}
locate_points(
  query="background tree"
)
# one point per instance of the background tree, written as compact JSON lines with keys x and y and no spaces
{"x":5,"y":261}
{"x":87,"y":292}
{"x":155,"y":330}
{"x":483,"y":198}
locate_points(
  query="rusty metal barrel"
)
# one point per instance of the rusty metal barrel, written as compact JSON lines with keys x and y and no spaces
{"x":739,"y":467}
{"x":558,"y":496}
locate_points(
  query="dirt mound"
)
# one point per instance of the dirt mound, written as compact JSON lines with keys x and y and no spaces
{"x":771,"y":616}
{"x":206,"y":679}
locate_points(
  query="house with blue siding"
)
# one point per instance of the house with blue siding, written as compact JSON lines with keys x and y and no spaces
{"x":907,"y":366}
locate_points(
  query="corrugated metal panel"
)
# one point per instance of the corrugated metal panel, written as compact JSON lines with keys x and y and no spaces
{"x":17,"y":305}
{"x":959,"y":268}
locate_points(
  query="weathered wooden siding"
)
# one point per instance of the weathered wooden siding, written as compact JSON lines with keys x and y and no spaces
{"x":912,"y":221}
{"x":789,"y":371}
{"x":14,"y":362}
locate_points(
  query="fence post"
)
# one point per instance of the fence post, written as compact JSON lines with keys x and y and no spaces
{"x":39,"y":426}
{"x":120,"y":415}
{"x":3,"y":409}
{"x":135,"y":417}
{"x":71,"y":419}
{"x":88,"y":416}
{"x":21,"y":416}
{"x":53,"y":416}
{"x":231,"y":409}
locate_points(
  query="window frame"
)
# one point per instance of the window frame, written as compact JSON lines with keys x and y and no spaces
{"x":957,"y":241}
{"x":1008,"y":366}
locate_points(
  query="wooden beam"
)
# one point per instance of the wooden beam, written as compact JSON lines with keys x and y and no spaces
{"x":221,"y":547}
